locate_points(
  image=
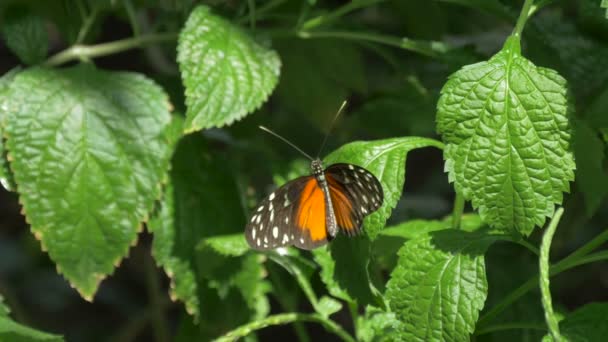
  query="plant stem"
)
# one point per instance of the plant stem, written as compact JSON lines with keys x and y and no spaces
{"x":529,"y":246}
{"x":251,"y":5}
{"x":300,"y":278}
{"x":285,"y":318}
{"x":128,"y":5}
{"x":354,"y":314}
{"x":86,"y":26}
{"x":511,"y":326}
{"x":564,"y":265}
{"x":262,"y":10}
{"x":545,"y":290}
{"x":161,"y":331}
{"x":430,"y":49}
{"x":91,"y":51}
{"x":523,"y":18}
{"x":457,"y":212}
{"x":329,"y":17}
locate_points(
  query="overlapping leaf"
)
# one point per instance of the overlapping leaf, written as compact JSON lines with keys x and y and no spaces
{"x":386,"y":160}
{"x":88,"y":149}
{"x":225,"y":72}
{"x":505,"y":124}
{"x":26,"y":35}
{"x":200,"y":206}
{"x":439,"y":285}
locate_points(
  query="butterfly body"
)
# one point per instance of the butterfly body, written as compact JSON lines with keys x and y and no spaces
{"x":309,"y":211}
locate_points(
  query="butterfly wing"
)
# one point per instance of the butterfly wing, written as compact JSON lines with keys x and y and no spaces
{"x":355,"y":193}
{"x":291,"y":215}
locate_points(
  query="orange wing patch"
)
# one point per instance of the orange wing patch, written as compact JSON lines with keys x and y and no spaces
{"x":311,"y":211}
{"x":342,"y":205}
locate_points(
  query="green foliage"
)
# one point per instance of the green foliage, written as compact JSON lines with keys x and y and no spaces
{"x":13,"y":331}
{"x":386,"y":160}
{"x":587,"y":324}
{"x":93,"y":156}
{"x":225,"y":72}
{"x":505,"y":122}
{"x":89,"y":177}
{"x":439,"y":285}
{"x":25,"y":34}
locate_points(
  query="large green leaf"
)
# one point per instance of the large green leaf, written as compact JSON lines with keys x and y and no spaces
{"x":587,"y":324}
{"x":226,"y":73}
{"x":13,"y":331}
{"x":439,"y":285}
{"x":386,"y":160}
{"x":25,"y":35}
{"x":88,"y":149}
{"x":6,"y":176}
{"x":201,"y":201}
{"x":505,"y":124}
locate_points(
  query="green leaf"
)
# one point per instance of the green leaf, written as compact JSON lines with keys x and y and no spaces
{"x":505,"y":124}
{"x":4,"y":310}
{"x":591,"y":177}
{"x":414,"y":228}
{"x":201,"y":200}
{"x":323,"y":257}
{"x":327,"y":306}
{"x":226,"y":245}
{"x":88,"y":149}
{"x":13,"y":331}
{"x":439,"y":285}
{"x":25,"y":35}
{"x":386,"y":160}
{"x":225,"y":72}
{"x":6,"y":176}
{"x":377,"y":325}
{"x":587,"y":324}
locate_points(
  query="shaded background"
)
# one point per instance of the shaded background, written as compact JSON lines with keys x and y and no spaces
{"x":391,"y":92}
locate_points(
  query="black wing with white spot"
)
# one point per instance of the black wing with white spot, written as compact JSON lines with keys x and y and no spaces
{"x":271,"y":224}
{"x":355,"y":193}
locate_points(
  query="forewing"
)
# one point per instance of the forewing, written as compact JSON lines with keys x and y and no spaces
{"x":271,"y":224}
{"x":355,"y":193}
{"x":310,"y":230}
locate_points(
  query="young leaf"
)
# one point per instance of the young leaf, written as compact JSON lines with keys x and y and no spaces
{"x":6,"y":176}
{"x":26,"y":36}
{"x":377,"y":326}
{"x":505,"y":122}
{"x":201,"y":200}
{"x":13,"y":331}
{"x":227,"y":245}
{"x":414,"y":228}
{"x":225,"y":72}
{"x":88,"y":149}
{"x":439,"y":285}
{"x":386,"y":160}
{"x":589,"y":323}
{"x":327,"y":306}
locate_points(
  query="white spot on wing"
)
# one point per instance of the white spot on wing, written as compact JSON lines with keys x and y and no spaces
{"x":351,"y":167}
{"x":275,"y":232}
{"x":285,"y":238}
{"x":253,"y":233}
{"x":286,"y":219}
{"x":363,"y":210}
{"x":364,"y":198}
{"x":258,"y":218}
{"x":271,"y":197}
{"x":261,"y":208}
{"x":271,"y":216}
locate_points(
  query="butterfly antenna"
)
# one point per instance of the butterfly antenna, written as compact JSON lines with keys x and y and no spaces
{"x":331,"y":126}
{"x":286,"y":141}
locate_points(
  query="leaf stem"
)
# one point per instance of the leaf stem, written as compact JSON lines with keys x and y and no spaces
{"x":563,"y":265}
{"x":341,"y":11}
{"x":428,"y":48}
{"x":285,"y":318}
{"x":545,"y":289}
{"x":128,"y":5}
{"x":92,"y":51}
{"x":458,"y":210}
{"x":523,"y":18}
{"x":300,"y":278}
{"x":86,"y":26}
{"x":528,"y":245}
{"x":354,"y":314}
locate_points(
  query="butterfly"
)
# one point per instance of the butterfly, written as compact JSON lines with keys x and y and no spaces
{"x":309,"y":211}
